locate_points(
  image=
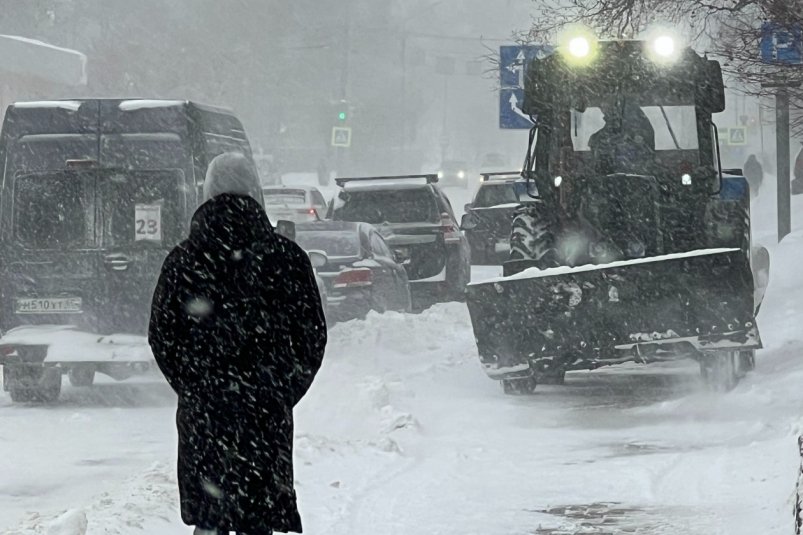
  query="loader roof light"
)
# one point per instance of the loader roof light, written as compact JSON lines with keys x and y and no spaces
{"x":686,"y":179}
{"x":578,"y":45}
{"x":663,"y":47}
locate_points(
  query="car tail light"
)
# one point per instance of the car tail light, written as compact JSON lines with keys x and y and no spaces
{"x":451,"y":233}
{"x":309,"y":211}
{"x":354,"y":278}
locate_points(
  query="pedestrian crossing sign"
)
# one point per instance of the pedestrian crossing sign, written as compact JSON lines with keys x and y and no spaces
{"x":341,"y":136}
{"x":737,"y":136}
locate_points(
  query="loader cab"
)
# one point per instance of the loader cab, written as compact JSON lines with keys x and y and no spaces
{"x":624,"y":121}
{"x":95,"y":194}
{"x":624,"y":112}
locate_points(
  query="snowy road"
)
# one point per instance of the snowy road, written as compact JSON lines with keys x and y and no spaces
{"x":403,"y":433}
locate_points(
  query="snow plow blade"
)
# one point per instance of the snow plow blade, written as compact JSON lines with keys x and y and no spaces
{"x":585,"y":317}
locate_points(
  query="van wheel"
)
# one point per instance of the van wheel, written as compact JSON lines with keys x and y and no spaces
{"x":27,"y":383}
{"x":81,"y":376}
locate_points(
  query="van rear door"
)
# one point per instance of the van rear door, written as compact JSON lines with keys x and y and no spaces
{"x":143,"y":220}
{"x":52,"y":254}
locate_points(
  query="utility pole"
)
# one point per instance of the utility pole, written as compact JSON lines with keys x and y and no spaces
{"x":784,"y":180}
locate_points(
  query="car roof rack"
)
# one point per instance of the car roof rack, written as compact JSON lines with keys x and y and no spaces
{"x":431,"y":179}
{"x":509,"y":174}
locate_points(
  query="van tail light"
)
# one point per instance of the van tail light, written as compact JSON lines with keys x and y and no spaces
{"x":451,"y":233}
{"x":354,"y":278}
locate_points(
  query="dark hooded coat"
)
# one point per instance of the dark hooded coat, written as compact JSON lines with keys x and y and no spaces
{"x":238,"y":330}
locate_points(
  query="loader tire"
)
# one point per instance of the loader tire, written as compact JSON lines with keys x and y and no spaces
{"x":720,"y":370}
{"x":531,"y":238}
{"x":556,"y":378}
{"x":519,"y":387}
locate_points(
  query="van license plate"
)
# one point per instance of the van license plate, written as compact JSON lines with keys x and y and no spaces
{"x":45,"y":305}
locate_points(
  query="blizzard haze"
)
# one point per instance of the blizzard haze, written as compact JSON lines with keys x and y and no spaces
{"x":402,"y":431}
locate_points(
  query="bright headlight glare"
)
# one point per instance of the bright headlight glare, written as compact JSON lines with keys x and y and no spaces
{"x":664,"y":46}
{"x":579,"y":47}
{"x":558,"y":181}
{"x":440,"y":174}
{"x":461,"y":175}
{"x":685,"y":179}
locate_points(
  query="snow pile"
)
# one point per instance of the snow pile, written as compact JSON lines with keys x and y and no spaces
{"x":70,"y":523}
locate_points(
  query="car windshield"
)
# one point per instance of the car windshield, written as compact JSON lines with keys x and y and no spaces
{"x":496,"y":194}
{"x":333,"y":243}
{"x":387,"y":206}
{"x":284,"y":196}
{"x":53,"y":211}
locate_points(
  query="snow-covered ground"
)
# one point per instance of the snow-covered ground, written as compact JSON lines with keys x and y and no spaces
{"x":403,"y":433}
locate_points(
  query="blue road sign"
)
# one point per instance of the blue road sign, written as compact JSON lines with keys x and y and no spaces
{"x":513,"y":63}
{"x":510,"y":114}
{"x":781,"y":43}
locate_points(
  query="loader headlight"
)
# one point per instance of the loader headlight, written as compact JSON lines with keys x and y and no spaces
{"x":686,"y":179}
{"x":578,"y":45}
{"x":440,"y":175}
{"x":461,"y":175}
{"x":663,"y":46}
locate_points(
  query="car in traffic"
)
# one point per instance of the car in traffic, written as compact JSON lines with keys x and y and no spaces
{"x":299,"y":204}
{"x":418,"y":223}
{"x":454,"y":173}
{"x":359,"y":271}
{"x":488,"y":218}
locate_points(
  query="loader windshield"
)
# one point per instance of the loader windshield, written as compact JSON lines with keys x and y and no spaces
{"x":671,"y":127}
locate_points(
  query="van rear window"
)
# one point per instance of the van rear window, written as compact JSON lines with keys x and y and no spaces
{"x":55,"y":211}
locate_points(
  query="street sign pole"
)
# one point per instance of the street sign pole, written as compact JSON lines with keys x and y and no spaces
{"x":782,"y":44}
{"x":782,"y":149}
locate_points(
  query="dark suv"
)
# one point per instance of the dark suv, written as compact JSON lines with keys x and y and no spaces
{"x":488,"y":219}
{"x":418,"y":223}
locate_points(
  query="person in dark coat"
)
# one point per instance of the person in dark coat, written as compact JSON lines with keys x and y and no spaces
{"x":238,"y":330}
{"x":754,"y":173}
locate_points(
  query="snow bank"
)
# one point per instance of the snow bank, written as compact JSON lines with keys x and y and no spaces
{"x":70,"y":523}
